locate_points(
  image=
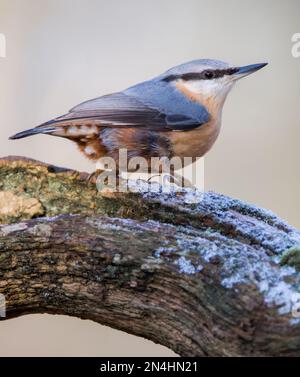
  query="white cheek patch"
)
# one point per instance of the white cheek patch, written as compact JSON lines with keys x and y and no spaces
{"x":217,"y":88}
{"x":203,"y":87}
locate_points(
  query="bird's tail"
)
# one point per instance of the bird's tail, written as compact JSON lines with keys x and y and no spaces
{"x":33,"y":131}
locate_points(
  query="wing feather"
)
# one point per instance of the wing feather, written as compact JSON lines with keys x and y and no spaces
{"x":122,"y":110}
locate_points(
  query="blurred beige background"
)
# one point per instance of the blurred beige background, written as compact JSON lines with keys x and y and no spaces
{"x":61,"y":52}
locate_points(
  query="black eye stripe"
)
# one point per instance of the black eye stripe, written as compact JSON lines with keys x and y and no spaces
{"x":204,"y":75}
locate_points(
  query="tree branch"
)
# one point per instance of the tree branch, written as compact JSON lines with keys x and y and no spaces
{"x":200,"y":277}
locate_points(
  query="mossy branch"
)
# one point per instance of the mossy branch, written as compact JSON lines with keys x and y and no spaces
{"x":201,"y":278}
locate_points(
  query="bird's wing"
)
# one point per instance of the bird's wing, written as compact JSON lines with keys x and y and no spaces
{"x":125,"y":110}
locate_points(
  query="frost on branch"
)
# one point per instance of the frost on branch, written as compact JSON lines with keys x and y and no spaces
{"x":201,"y":273}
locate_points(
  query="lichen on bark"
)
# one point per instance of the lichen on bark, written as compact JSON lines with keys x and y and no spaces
{"x":291,"y":257}
{"x":198,"y":272}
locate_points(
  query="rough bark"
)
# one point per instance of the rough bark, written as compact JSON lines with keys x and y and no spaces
{"x":200,"y":274}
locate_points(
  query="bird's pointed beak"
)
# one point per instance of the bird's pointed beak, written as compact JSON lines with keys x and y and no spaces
{"x":247,"y":70}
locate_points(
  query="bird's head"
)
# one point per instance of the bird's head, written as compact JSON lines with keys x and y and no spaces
{"x":208,"y":79}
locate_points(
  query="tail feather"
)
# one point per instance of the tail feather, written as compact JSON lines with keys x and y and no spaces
{"x":33,"y":131}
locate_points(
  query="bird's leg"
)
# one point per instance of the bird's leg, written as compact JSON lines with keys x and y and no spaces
{"x":178,"y":180}
{"x":172,"y":179}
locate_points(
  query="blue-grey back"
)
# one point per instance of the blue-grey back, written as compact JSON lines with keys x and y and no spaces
{"x":165,"y":97}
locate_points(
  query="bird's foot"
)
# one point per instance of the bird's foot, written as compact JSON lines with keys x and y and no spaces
{"x":164,"y":183}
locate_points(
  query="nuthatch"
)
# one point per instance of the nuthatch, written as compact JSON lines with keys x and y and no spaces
{"x":175,"y":114}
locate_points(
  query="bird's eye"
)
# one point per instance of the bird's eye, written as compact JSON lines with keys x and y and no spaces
{"x":208,"y":75}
